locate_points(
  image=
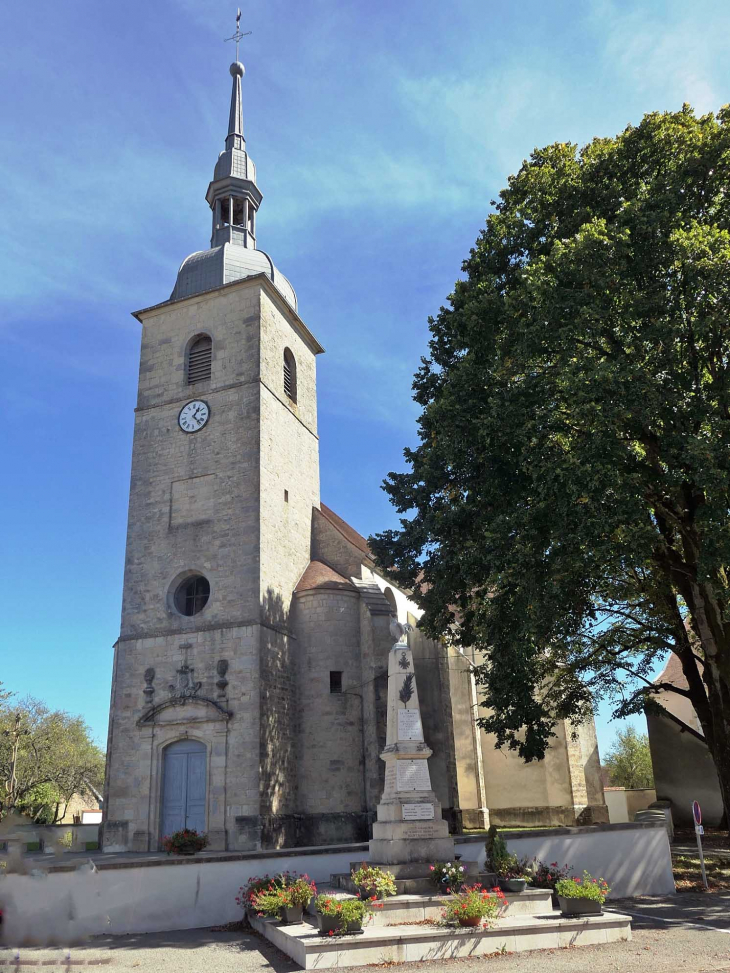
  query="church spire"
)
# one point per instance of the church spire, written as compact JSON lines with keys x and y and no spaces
{"x":235,"y":139}
{"x":234,"y":199}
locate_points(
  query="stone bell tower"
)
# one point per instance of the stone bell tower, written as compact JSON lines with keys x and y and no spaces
{"x":225,"y":474}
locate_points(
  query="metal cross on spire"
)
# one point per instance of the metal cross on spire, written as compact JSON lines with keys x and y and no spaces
{"x":239,"y":33}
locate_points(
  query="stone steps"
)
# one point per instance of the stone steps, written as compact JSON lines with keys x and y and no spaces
{"x":416,"y":908}
{"x":412,"y":878}
{"x":409,"y":943}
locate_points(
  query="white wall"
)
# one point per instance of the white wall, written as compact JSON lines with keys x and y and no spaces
{"x":65,"y":907}
{"x":160,"y":895}
{"x":633,"y":859}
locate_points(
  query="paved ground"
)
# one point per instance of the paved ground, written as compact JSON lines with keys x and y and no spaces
{"x":687,"y":932}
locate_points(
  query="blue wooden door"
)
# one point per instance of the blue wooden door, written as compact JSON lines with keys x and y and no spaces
{"x":184,"y":787}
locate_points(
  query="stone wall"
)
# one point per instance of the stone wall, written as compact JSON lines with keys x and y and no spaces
{"x":683,"y":772}
{"x":331,"y":759}
{"x":214,"y":502}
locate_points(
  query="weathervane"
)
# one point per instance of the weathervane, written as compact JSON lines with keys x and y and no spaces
{"x":239,"y":33}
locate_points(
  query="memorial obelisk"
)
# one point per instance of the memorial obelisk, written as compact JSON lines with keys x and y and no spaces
{"x":409,"y":827}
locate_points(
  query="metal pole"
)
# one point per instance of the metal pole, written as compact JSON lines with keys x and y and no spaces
{"x":702,"y":857}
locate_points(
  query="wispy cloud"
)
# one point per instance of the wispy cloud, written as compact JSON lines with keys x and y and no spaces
{"x":671,"y":54}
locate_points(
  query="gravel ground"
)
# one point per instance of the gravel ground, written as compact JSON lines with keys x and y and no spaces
{"x":688,"y":933}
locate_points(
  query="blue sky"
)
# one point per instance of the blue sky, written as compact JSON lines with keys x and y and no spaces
{"x":381,"y":132}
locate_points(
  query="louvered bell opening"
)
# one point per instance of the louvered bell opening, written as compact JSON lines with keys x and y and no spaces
{"x":199,"y":360}
{"x":289,"y":381}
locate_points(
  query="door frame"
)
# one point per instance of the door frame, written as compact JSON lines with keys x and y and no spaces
{"x":161,"y":786}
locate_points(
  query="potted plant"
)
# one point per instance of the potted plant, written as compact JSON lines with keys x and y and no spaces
{"x":582,"y":896}
{"x":185,"y":842}
{"x":512,"y":873}
{"x":284,"y":897}
{"x":252,"y":887}
{"x":297,"y":893}
{"x":473,"y":906}
{"x":372,"y":881}
{"x":546,"y":876}
{"x":335,"y":917}
{"x":448,"y":876}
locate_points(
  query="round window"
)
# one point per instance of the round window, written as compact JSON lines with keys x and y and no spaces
{"x":192,"y":595}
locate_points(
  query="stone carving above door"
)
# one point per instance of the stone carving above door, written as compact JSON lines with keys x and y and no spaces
{"x":185,"y":691}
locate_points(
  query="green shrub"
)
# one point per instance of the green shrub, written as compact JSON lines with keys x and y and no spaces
{"x":583,"y":888}
{"x":376,"y":881}
{"x":473,"y":902}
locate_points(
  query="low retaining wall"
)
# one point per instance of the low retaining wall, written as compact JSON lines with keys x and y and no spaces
{"x":65,"y":902}
{"x":635,"y":859}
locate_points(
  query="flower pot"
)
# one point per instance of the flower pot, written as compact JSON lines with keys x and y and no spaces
{"x":513,"y":884}
{"x":366,"y":894}
{"x":354,"y":926}
{"x":292,"y":913}
{"x":186,"y":850}
{"x":580,"y":907}
{"x":471,"y":921}
{"x":327,"y":924}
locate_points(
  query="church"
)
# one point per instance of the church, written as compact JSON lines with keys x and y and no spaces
{"x":249,"y":684}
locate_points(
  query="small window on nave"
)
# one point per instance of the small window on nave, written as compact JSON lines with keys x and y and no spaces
{"x":290,"y":375}
{"x":200,"y":357}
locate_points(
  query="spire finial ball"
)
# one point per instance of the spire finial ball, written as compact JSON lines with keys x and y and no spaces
{"x":237,"y":69}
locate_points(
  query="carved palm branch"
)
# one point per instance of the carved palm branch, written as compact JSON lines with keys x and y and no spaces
{"x":406,"y":689}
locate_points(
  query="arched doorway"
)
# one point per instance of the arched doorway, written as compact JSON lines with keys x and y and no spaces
{"x":184,"y":775}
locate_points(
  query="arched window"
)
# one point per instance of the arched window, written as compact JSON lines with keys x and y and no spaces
{"x":200,"y":355}
{"x":390,"y":598}
{"x":290,"y":375}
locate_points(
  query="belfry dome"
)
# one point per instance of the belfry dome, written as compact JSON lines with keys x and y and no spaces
{"x":234,"y":199}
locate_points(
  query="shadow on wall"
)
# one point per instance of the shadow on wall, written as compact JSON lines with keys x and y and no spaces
{"x":278,"y":732}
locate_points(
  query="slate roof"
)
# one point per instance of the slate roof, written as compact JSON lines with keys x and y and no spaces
{"x":319,"y":575}
{"x":349,"y":533}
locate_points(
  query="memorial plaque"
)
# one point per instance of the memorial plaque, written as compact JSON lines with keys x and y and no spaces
{"x":412,"y":775}
{"x":417,"y":812}
{"x":420,"y":830}
{"x":409,"y":725}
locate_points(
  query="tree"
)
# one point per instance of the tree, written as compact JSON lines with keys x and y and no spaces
{"x":567,"y":505}
{"x":45,"y":757}
{"x":629,"y":760}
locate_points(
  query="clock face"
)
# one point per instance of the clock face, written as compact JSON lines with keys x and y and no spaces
{"x":193,"y":416}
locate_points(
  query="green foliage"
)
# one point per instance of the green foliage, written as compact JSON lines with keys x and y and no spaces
{"x":346,"y":911}
{"x":376,"y":881}
{"x":43,"y":804}
{"x":567,"y":506}
{"x":585,"y":888}
{"x":496,"y":849}
{"x":628,"y":761}
{"x":46,"y":756}
{"x":268,"y":896}
{"x":505,"y":863}
{"x":473,"y":902}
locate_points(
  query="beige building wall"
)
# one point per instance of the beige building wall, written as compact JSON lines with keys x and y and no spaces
{"x":330,"y":768}
{"x":233,"y":530}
